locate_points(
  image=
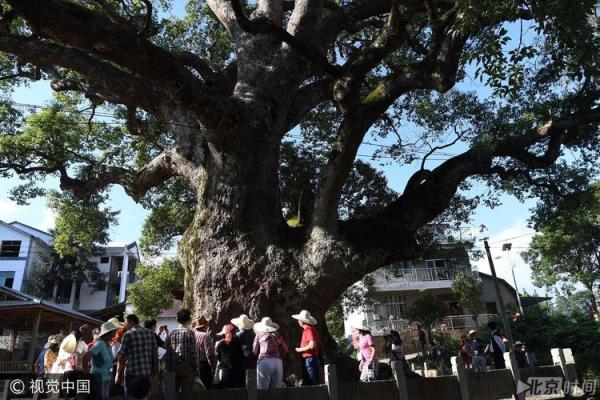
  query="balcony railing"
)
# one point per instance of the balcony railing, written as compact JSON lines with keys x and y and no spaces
{"x":383,"y":277}
{"x":380,"y":328}
{"x":449,"y":323}
{"x":463,"y":322}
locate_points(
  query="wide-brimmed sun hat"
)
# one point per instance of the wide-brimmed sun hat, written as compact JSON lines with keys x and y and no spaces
{"x":471,"y":332}
{"x":69,"y":344}
{"x":199,"y":323}
{"x":229,"y":328}
{"x":56,"y":339}
{"x":305,"y":317}
{"x":266,"y":325}
{"x":49,"y":342}
{"x":108,"y":327}
{"x":243,"y":322}
{"x":361,"y":326}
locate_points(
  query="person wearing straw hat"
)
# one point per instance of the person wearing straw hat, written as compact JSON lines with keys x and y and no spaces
{"x":50,"y":356}
{"x":310,"y":348}
{"x":246,"y":335}
{"x":102,"y":357}
{"x":38,"y":365}
{"x":368,"y":365}
{"x":476,"y":350}
{"x":206,"y":352}
{"x":270,"y":348}
{"x":70,"y":352}
{"x":230,"y":372}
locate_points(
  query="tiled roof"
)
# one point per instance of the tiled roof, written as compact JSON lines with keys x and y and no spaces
{"x":172,"y":311}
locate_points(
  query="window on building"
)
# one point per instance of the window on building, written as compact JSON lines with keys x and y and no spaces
{"x":7,"y":278}
{"x":10,"y":248}
{"x":438,"y":269}
{"x":104,"y":260}
{"x":395,"y":306}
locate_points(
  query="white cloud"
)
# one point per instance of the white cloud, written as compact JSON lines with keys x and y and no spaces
{"x":519,"y":235}
{"x":8,"y":210}
{"x":48,"y":220}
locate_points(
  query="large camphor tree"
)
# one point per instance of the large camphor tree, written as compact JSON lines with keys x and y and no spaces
{"x":211,"y":100}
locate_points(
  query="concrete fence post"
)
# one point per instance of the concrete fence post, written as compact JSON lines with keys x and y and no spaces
{"x":513,"y":366}
{"x":458,"y":368}
{"x":331,"y":382}
{"x":558,"y":358}
{"x":400,"y":378}
{"x":170,"y":389}
{"x":570,"y":361}
{"x":251,"y":388}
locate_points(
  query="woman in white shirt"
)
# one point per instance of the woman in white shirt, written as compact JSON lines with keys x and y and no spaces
{"x":70,"y":354}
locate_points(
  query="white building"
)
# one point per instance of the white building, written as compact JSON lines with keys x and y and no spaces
{"x":395,"y":287}
{"x":22,"y":245}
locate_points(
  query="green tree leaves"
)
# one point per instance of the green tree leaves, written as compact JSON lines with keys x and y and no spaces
{"x":80,"y":224}
{"x":568,"y":246}
{"x":152,"y":293}
{"x":467,"y":291}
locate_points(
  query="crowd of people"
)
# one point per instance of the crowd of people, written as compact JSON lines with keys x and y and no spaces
{"x":473,"y":352}
{"x":121,"y":356}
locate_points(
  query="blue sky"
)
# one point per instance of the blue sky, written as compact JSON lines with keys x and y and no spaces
{"x":506,"y":222}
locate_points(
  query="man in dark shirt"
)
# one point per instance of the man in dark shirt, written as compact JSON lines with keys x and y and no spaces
{"x":246,"y":335}
{"x":150,"y":324}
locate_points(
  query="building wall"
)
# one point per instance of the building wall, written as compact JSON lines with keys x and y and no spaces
{"x":17,"y":264}
{"x":90,"y":299}
{"x":489,"y":293}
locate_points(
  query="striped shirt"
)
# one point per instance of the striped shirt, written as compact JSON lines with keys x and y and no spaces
{"x":205,"y":348}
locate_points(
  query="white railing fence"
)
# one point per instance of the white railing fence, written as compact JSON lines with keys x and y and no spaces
{"x":419,"y":275}
{"x":449,"y":323}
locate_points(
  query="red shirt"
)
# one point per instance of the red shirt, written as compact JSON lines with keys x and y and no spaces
{"x":310,"y":333}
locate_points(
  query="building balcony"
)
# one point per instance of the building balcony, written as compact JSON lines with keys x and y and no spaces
{"x":449,"y":323}
{"x":417,"y":278}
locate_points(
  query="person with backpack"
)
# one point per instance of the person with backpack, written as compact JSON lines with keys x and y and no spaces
{"x":70,"y":354}
{"x":497,"y":348}
{"x":270,"y":348}
{"x":310,"y":348}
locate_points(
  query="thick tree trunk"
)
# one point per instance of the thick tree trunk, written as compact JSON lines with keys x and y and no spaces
{"x":592,"y":295}
{"x":241,"y":257}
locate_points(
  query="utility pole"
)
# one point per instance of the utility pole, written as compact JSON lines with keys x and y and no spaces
{"x":499,"y":301}
{"x":508,"y":247}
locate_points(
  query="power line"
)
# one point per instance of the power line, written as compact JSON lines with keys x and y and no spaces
{"x":413,"y":148}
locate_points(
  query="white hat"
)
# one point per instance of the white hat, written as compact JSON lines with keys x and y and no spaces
{"x":243,"y":322}
{"x":471,"y":332}
{"x":305,"y":317}
{"x":108,"y":327}
{"x":49,"y":342}
{"x":69,"y":344}
{"x":266,"y":325}
{"x":361,"y":326}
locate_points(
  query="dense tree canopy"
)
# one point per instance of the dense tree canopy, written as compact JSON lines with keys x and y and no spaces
{"x":567,"y":249}
{"x":199,"y":115}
